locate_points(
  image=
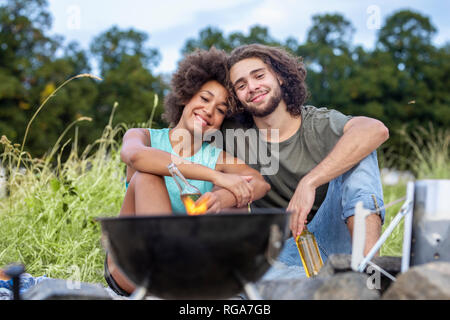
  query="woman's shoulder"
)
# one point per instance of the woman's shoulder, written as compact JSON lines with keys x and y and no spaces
{"x":161,"y":130}
{"x":160,"y":135}
{"x":140,"y":133}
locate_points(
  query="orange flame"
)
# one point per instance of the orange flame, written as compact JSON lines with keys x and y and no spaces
{"x":192,"y":209}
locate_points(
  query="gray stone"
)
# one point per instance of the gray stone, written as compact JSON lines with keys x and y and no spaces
{"x":391,"y":265}
{"x":339,"y":263}
{"x":388,"y":263}
{"x":336,"y":263}
{"x":289,"y":289}
{"x":423,"y":282}
{"x":57,"y":289}
{"x":346,"y":286}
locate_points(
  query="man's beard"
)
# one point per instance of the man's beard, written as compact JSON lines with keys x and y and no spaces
{"x":272,"y":104}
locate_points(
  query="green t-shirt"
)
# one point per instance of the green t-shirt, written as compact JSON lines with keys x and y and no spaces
{"x":319,"y":132}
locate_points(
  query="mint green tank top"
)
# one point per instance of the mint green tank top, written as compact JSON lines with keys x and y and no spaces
{"x":207,"y":156}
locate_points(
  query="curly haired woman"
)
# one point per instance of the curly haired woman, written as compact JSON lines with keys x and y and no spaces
{"x":196,"y":106}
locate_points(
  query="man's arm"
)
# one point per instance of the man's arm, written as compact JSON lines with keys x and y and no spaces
{"x":361,"y":136}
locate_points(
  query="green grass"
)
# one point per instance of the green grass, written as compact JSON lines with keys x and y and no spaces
{"x":48,"y":220}
{"x":393,"y":245}
{"x":430,"y":160}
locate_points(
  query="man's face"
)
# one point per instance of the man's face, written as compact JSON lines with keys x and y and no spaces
{"x":256,"y":86}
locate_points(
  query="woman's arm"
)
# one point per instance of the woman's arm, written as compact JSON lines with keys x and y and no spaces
{"x":138,"y":154}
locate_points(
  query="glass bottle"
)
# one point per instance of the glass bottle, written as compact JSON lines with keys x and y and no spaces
{"x":188,"y":193}
{"x":309,"y":253}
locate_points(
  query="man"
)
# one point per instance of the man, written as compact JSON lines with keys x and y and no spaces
{"x":327,"y":161}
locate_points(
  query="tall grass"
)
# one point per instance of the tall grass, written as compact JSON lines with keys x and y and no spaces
{"x":431,"y":152}
{"x":47,"y":222}
{"x":430,"y":149}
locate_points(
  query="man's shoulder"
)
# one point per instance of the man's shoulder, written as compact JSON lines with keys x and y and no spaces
{"x":323,"y":125}
{"x":323,"y":115}
{"x":318,"y":112}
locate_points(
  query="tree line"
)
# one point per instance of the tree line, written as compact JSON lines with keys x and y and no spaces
{"x":403,"y":81}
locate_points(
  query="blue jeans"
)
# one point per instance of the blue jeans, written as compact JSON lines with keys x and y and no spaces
{"x":329,"y":223}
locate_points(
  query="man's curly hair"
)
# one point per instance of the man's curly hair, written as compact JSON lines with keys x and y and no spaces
{"x":193,"y":72}
{"x":288,"y":67}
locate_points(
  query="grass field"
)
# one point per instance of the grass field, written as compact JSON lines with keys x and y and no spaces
{"x":48,"y":220}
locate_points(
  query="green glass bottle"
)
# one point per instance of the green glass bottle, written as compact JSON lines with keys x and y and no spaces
{"x":188,"y":193}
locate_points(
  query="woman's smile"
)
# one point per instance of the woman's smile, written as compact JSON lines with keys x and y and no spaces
{"x":201,"y":120}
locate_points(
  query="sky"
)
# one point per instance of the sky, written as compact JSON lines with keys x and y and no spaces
{"x":169,"y":23}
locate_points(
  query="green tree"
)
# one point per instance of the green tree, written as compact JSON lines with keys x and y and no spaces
{"x":208,"y":37}
{"x":70,"y":103}
{"x":402,"y":82}
{"x":328,"y":56}
{"x":423,"y":91}
{"x":30,"y":71}
{"x":407,"y":35}
{"x":24,"y":48}
{"x":110,"y":47}
{"x":125,"y":63}
{"x":212,"y":36}
{"x":257,"y":34}
{"x":331,"y":30}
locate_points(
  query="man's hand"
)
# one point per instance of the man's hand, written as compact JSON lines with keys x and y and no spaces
{"x":300,"y":205}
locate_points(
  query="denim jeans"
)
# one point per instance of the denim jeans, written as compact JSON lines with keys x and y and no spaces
{"x":360,"y":183}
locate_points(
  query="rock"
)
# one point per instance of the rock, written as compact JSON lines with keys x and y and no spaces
{"x":5,"y":294}
{"x":336,"y":263}
{"x":289,"y":289}
{"x":390,"y":264}
{"x":422,"y":282}
{"x":346,"y":286}
{"x":339,"y":263}
{"x":336,"y":280}
{"x":57,"y":289}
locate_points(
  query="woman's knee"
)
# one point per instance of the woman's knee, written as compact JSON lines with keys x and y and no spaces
{"x":140,"y":178}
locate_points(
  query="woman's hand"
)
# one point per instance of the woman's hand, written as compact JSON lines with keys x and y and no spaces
{"x":212,"y":201}
{"x":238,"y":185}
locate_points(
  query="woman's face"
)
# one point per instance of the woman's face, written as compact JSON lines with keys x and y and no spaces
{"x":207,"y":108}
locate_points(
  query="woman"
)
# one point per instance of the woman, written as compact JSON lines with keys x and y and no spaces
{"x":196,"y":106}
